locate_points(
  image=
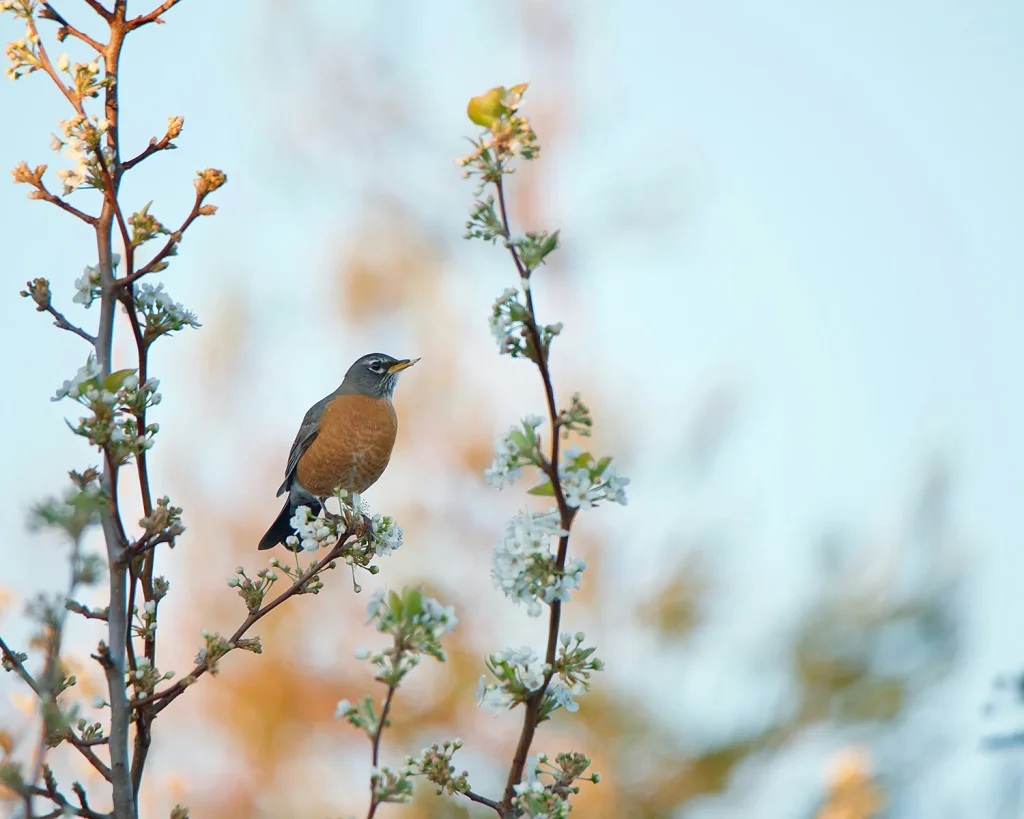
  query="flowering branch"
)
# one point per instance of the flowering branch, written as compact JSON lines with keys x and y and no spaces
{"x":416,"y":624}
{"x":524,"y":566}
{"x":116,"y":402}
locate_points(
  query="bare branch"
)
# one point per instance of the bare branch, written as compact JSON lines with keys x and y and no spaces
{"x":50,"y":13}
{"x":100,"y":10}
{"x":153,"y":16}
{"x":482,"y":800}
{"x":12,"y":659}
{"x":66,"y":808}
{"x":42,"y":193}
{"x":154,"y":147}
{"x":374,"y":803}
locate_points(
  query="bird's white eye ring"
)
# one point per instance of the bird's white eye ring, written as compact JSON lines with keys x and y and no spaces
{"x":376,"y":367}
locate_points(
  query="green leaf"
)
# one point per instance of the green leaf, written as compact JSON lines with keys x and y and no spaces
{"x":114,"y":381}
{"x":602,"y":465}
{"x":486,"y":108}
{"x":544,"y":490}
{"x":413,"y":603}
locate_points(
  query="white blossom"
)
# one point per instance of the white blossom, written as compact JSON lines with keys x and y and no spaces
{"x":562,"y":696}
{"x":73,"y":388}
{"x":504,"y":468}
{"x":579,"y":491}
{"x":492,"y":698}
{"x":523,"y":562}
{"x":614,"y":486}
{"x":375,"y":603}
{"x":87,"y":286}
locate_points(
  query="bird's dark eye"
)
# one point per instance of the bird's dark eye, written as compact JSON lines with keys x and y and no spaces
{"x":376,"y":367}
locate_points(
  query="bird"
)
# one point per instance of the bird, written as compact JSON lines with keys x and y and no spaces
{"x":344,"y":442}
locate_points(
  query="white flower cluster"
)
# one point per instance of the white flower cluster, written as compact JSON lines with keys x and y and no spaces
{"x":534,"y":801}
{"x":80,"y":385}
{"x":506,"y":323}
{"x":500,"y":321}
{"x":585,"y":484}
{"x":161,"y":313}
{"x":75,"y":146}
{"x":524,"y":566}
{"x":311,"y":532}
{"x":504,"y":469}
{"x":432,"y":616}
{"x":386,"y":534}
{"x":519,"y":671}
{"x":87,"y":286}
{"x":114,"y":401}
{"x":512,"y":451}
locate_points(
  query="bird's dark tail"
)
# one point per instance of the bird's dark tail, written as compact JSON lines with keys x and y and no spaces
{"x":281,"y":528}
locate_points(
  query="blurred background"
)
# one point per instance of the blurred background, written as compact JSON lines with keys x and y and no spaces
{"x":790,"y":282}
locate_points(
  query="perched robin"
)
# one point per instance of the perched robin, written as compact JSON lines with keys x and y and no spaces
{"x":344,"y":442}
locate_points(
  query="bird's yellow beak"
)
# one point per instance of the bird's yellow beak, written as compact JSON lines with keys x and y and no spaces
{"x":401,"y":365}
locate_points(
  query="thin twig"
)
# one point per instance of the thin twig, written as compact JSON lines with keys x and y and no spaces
{"x":154,"y":147}
{"x":162,"y":254}
{"x":49,"y":12}
{"x":84,"y":747}
{"x":482,"y":800}
{"x":64,"y":324}
{"x":52,"y":673}
{"x":153,"y":16}
{"x":19,"y":667}
{"x":375,"y":756}
{"x":45,"y":195}
{"x":65,"y":806}
{"x":99,"y":9}
{"x":44,"y":60}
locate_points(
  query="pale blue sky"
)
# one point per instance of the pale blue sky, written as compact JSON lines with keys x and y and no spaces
{"x":835,"y":192}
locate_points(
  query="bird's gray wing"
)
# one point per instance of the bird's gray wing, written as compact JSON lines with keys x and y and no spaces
{"x":307,"y":432}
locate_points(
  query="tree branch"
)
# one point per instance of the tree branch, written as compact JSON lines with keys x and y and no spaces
{"x":375,"y":756}
{"x":66,"y":808}
{"x":153,"y":16}
{"x":483,"y":800}
{"x":154,"y":147}
{"x":43,"y":194}
{"x":50,"y":13}
{"x":44,"y":60}
{"x":100,"y":10}
{"x":19,"y":667}
{"x":84,"y":747}
{"x":162,"y":254}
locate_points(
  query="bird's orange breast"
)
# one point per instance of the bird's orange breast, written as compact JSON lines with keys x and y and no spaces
{"x":352,"y":447}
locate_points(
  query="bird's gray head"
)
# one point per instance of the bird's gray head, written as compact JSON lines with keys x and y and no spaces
{"x":375,"y":374}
